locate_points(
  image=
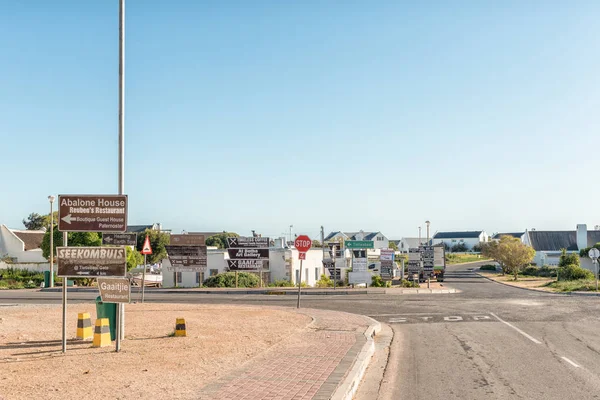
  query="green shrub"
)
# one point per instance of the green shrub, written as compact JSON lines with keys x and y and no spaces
{"x":281,"y":283}
{"x":574,"y":272}
{"x":409,"y":284}
{"x":568,"y":259}
{"x":376,"y":281}
{"x":571,"y":286}
{"x":227,"y":279}
{"x":324,"y":282}
{"x":488,"y":267}
{"x":547,"y":272}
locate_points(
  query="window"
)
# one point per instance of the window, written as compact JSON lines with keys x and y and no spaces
{"x":316,"y":274}
{"x":306,"y":274}
{"x":213,"y":272}
{"x":178,"y":277}
{"x":380,"y":238}
{"x":297,"y":275}
{"x":198,"y":278}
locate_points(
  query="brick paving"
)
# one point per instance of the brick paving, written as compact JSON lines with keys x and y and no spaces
{"x":307,"y":365}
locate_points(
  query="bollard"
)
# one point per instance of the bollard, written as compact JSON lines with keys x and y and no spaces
{"x":180,"y":327}
{"x":84,"y":326}
{"x":101,"y":333}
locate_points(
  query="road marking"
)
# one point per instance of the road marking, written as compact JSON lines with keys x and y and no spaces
{"x":534,"y":340}
{"x":453,"y":318}
{"x":416,"y":313}
{"x":570,"y":362}
{"x":397,"y":320}
{"x":480,"y":317}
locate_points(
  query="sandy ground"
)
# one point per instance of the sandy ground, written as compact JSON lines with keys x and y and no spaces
{"x":524,"y":282}
{"x":150,"y":365}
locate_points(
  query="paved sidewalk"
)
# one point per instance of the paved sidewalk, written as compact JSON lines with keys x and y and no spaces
{"x":313,"y":364}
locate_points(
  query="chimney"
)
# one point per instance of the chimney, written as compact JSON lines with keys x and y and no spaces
{"x":582,"y":241}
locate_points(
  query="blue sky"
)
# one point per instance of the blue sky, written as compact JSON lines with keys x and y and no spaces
{"x":352,"y":115}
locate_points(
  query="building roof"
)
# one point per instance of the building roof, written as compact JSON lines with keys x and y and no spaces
{"x":352,"y":235}
{"x":513,"y":234}
{"x":414,"y":242}
{"x":32,"y":239}
{"x":558,"y":240}
{"x":138,"y":228}
{"x":458,"y":235}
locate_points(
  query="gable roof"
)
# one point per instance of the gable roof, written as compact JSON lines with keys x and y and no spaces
{"x":458,"y":235}
{"x":31,"y":239}
{"x":558,"y":240}
{"x":138,"y":228}
{"x":414,"y":242}
{"x":513,"y":234}
{"x":352,"y":235}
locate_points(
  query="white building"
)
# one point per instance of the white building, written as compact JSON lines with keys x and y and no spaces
{"x":21,"y":246}
{"x":468,"y":238}
{"x":380,"y":241}
{"x":410,"y":243}
{"x":548,"y":245}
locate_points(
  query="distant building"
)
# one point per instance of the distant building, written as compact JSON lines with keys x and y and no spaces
{"x":21,"y":246}
{"x":469,"y":238}
{"x":380,"y":241}
{"x":518,"y":235}
{"x":548,"y":245}
{"x":410,"y":243}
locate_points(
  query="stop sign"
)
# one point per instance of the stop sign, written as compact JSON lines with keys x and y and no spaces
{"x":303,"y":243}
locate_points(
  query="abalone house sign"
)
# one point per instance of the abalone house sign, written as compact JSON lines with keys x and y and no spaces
{"x":92,"y":213}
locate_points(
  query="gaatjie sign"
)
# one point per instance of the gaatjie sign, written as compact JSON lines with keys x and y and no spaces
{"x":114,"y":290}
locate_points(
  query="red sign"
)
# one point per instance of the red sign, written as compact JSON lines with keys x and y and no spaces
{"x":147,"y":249}
{"x":302,"y":256}
{"x":303,"y":243}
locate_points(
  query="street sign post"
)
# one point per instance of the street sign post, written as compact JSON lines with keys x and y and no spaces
{"x":248,"y":254}
{"x":80,"y":262}
{"x":146,"y":249}
{"x":386,"y":257}
{"x":248,"y":242}
{"x":594,"y":253}
{"x":114,"y":290}
{"x":302,"y":244}
{"x":245,"y":265}
{"x":92,"y":213}
{"x":187,"y":258}
{"x":119,"y":239}
{"x":187,"y":240}
{"x":359,"y":244}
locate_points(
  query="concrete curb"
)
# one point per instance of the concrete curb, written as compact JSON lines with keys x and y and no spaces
{"x":592,"y":294}
{"x":347,"y":389}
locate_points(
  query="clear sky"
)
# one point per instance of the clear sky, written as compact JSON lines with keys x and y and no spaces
{"x":374,"y":115}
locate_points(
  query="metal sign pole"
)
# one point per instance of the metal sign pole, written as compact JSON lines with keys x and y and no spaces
{"x":144,"y":277}
{"x":299,"y":284}
{"x":334,"y":267}
{"x":64,"y":303}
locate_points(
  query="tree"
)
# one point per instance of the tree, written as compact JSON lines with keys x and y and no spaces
{"x":459,"y":248}
{"x":158,"y":241}
{"x":220,"y":239}
{"x":477,"y":248}
{"x":568,"y":259}
{"x":316,"y":243}
{"x":34,"y":222}
{"x":134,"y":258}
{"x":75,"y":239}
{"x":491,"y":250}
{"x":514,"y":254}
{"x":393,"y":246}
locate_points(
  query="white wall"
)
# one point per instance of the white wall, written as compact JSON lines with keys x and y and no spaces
{"x":313,"y":265}
{"x":469,"y":242}
{"x":14,"y":247}
{"x":37,"y":267}
{"x":215,"y":261}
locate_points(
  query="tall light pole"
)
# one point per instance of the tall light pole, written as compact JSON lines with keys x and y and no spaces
{"x":51,"y":199}
{"x":120,"y":307}
{"x":291,"y":226}
{"x":420,"y":236}
{"x":427,"y":222}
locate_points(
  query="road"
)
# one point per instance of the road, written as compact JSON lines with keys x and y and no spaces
{"x":489,"y":341}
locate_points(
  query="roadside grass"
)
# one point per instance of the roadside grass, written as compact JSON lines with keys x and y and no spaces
{"x":453,"y":258}
{"x":581,"y":285}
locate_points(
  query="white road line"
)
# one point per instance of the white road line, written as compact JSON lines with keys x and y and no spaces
{"x":400,"y":314}
{"x":534,"y":340}
{"x":570,"y":362}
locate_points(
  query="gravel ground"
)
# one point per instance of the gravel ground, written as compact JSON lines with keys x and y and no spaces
{"x":150,"y":365}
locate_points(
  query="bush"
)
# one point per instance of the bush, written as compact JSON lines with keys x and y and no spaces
{"x":574,"y":272}
{"x":16,"y":278}
{"x":571,"y":286}
{"x":488,"y":267}
{"x":376,"y":281}
{"x":459,"y":248}
{"x":227,"y":279}
{"x":409,"y":284}
{"x":476,"y":248}
{"x":324,"y":282}
{"x":281,"y":283}
{"x":568,"y":259}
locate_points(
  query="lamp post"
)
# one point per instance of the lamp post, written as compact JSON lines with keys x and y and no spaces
{"x":291,"y":226}
{"x":420,"y":236}
{"x":427,"y":222}
{"x":51,"y":199}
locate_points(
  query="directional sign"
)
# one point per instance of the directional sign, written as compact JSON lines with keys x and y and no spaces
{"x":114,"y":290}
{"x":334,"y":273}
{"x":187,"y":240}
{"x":92,"y":213}
{"x":238,"y":265}
{"x":91,"y":261}
{"x":248,"y":242}
{"x":248,"y":254}
{"x":191,"y":258}
{"x":359,"y":244}
{"x":120,"y":239}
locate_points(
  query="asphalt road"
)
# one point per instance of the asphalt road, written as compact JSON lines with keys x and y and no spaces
{"x":489,"y":341}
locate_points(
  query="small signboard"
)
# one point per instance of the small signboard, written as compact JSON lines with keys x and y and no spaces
{"x":114,"y":290}
{"x":80,"y":262}
{"x":187,"y":240}
{"x":334,"y":273}
{"x":338,"y":247}
{"x":119,"y":239}
{"x":439,"y":257}
{"x":92,"y":213}
{"x":190,"y":258}
{"x":427,"y":256}
{"x":248,"y":242}
{"x":242,"y":265}
{"x":359,"y":244}
{"x":387,"y":263}
{"x":248,"y":254}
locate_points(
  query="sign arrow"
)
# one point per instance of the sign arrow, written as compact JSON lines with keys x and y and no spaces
{"x":67,"y":219}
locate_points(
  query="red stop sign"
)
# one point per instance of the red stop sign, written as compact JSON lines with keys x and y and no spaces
{"x":303,"y":243}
